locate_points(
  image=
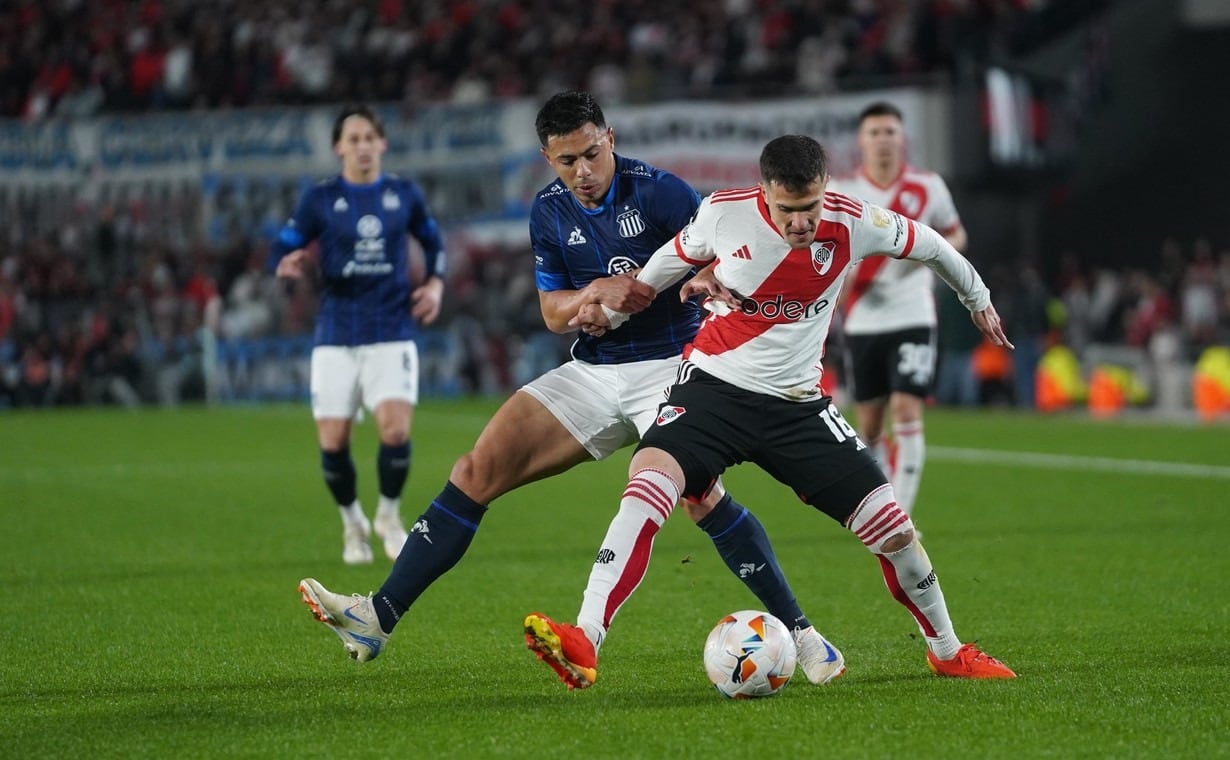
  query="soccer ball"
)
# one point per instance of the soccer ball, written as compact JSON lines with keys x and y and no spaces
{"x":750,"y":654}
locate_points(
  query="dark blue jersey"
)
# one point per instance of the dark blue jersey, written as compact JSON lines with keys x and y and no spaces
{"x":364,"y":260}
{"x":574,"y":245}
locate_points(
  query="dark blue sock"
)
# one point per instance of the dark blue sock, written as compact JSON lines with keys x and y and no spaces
{"x":744,"y":546}
{"x":339,"y":474}
{"x":393,"y":466}
{"x":438,"y":539}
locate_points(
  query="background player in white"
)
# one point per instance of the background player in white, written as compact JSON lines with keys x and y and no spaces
{"x":749,"y":386}
{"x":369,"y":313}
{"x":604,"y":217}
{"x":889,"y":308}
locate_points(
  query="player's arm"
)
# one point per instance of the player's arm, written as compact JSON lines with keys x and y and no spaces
{"x":559,"y":297}
{"x":622,"y":293}
{"x":426,"y":298}
{"x":954,"y":269}
{"x":289,"y":256}
{"x":886,"y":233}
{"x":673,"y":261}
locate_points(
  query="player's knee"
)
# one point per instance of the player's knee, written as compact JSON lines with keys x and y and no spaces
{"x":880,"y":524}
{"x":394,"y":436}
{"x":696,"y":510}
{"x":906,"y":408}
{"x":473,"y":473}
{"x":898,"y":541}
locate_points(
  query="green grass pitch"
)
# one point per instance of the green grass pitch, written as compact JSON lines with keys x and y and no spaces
{"x":149,"y":565}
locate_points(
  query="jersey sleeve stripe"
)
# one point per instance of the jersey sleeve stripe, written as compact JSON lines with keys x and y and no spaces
{"x":909,"y":239}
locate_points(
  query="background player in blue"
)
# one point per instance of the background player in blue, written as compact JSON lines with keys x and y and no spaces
{"x":602,"y":219}
{"x":365,"y":328}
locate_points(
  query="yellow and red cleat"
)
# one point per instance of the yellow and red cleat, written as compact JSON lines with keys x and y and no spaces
{"x":564,"y":647}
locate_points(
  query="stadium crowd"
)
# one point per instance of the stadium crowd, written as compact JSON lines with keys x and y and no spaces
{"x":74,"y":58}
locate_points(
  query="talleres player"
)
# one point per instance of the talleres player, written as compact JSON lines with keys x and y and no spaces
{"x":369,"y":316}
{"x":749,"y":387}
{"x":601,"y":219}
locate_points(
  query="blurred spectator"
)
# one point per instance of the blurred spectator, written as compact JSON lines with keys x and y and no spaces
{"x":38,"y":377}
{"x":1151,"y":310}
{"x":252,"y":301}
{"x":1198,"y":297}
{"x":1027,"y":322}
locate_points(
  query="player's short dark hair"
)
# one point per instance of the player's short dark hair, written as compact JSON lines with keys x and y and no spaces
{"x":793,"y":161}
{"x":360,"y":111}
{"x":880,"y":108}
{"x":567,"y":112}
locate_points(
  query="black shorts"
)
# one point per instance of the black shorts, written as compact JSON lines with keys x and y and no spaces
{"x":707,"y":425}
{"x":902,"y":361}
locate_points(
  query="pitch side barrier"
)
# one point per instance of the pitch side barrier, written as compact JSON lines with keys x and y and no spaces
{"x":274,"y":369}
{"x":221,"y":174}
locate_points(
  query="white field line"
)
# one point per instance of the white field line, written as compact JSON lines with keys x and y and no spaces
{"x":1040,"y":461}
{"x":1027,"y":459}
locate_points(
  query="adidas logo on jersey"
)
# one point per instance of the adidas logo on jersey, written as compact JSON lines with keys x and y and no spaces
{"x":341,"y":206}
{"x":743,"y":253}
{"x":576,"y":238}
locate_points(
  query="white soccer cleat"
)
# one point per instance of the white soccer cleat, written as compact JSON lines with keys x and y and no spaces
{"x":392,"y":532}
{"x":352,"y":618}
{"x":355,"y":547}
{"x":820,"y":660}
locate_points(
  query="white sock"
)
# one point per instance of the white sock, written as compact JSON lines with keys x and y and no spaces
{"x":352,"y":514}
{"x":911,"y":453}
{"x":387,"y":506}
{"x":879,"y":450}
{"x":624,"y":557}
{"x":912,"y":582}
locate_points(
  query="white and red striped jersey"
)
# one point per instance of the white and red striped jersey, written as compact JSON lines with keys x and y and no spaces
{"x":774,"y":343}
{"x":885,"y":295}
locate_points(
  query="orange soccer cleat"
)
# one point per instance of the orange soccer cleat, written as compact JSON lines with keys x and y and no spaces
{"x":970,"y":662}
{"x":564,"y":647}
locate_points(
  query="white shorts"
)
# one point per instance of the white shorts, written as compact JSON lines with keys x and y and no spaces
{"x":345,"y":376}
{"x":605,"y":406}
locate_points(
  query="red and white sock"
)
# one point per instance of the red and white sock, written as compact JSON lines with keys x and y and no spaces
{"x":907,"y":572}
{"x":908,"y":469}
{"x":624,"y":557}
